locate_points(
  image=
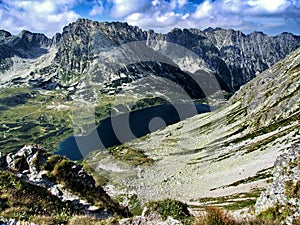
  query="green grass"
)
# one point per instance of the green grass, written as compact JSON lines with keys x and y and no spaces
{"x":25,"y":119}
{"x":231,"y":118}
{"x":275,"y":214}
{"x":132,"y":201}
{"x":269,"y":128}
{"x":147,"y":102}
{"x":132,"y":156}
{"x":88,"y":220}
{"x":232,"y":202}
{"x":292,"y":188}
{"x":27,"y":202}
{"x":100,"y":180}
{"x":24,"y":201}
{"x":258,"y":176}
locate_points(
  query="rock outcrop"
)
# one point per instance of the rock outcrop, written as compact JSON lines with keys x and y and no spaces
{"x":5,"y":221}
{"x":64,"y":179}
{"x":284,"y":191}
{"x":27,"y":160}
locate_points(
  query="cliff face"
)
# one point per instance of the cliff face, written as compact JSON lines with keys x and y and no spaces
{"x":233,"y":56}
{"x":85,"y":46}
{"x":83,"y":40}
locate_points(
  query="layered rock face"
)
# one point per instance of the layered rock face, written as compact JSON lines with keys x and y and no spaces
{"x":89,"y":48}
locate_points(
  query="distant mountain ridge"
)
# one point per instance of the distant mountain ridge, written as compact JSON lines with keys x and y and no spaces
{"x":233,"y":57}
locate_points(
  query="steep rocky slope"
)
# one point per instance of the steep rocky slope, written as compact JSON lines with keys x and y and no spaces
{"x":226,"y":152}
{"x":235,"y":58}
{"x":22,"y":54}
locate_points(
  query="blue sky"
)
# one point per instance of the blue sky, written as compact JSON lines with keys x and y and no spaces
{"x":50,"y":16}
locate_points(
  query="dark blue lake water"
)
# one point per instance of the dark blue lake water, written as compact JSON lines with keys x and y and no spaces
{"x":116,"y":130}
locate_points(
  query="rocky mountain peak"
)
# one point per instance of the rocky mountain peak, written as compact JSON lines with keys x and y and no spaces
{"x":4,"y":34}
{"x":30,"y":39}
{"x":23,"y":45}
{"x":121,"y":32}
{"x":56,"y":40}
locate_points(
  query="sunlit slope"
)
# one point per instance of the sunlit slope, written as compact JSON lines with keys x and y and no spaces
{"x":214,"y":154}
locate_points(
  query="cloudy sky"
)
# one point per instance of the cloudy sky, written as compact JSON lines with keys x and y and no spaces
{"x":50,"y":16}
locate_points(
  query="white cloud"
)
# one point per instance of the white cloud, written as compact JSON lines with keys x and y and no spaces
{"x":185,"y":16}
{"x":178,"y":3}
{"x":57,"y":18}
{"x":46,"y":16}
{"x":233,"y":6}
{"x":203,"y":10}
{"x":182,"y":3}
{"x":249,"y":15}
{"x":123,"y":8}
{"x":50,"y":16}
{"x":155,"y":2}
{"x":268,"y":6}
{"x":160,"y":16}
{"x":166,"y":17}
{"x":97,"y":9}
{"x":47,"y":7}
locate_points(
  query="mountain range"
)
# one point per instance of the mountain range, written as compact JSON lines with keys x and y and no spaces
{"x":51,"y":88}
{"x":232,"y":56}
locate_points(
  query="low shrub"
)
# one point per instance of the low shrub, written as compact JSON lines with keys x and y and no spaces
{"x":169,"y":207}
{"x":216,"y":216}
{"x":274,"y":214}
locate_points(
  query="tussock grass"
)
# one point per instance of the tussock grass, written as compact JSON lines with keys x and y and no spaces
{"x":24,"y":201}
{"x":216,"y":216}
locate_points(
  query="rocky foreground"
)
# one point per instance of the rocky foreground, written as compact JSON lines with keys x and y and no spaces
{"x":29,"y":170}
{"x":55,"y":186}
